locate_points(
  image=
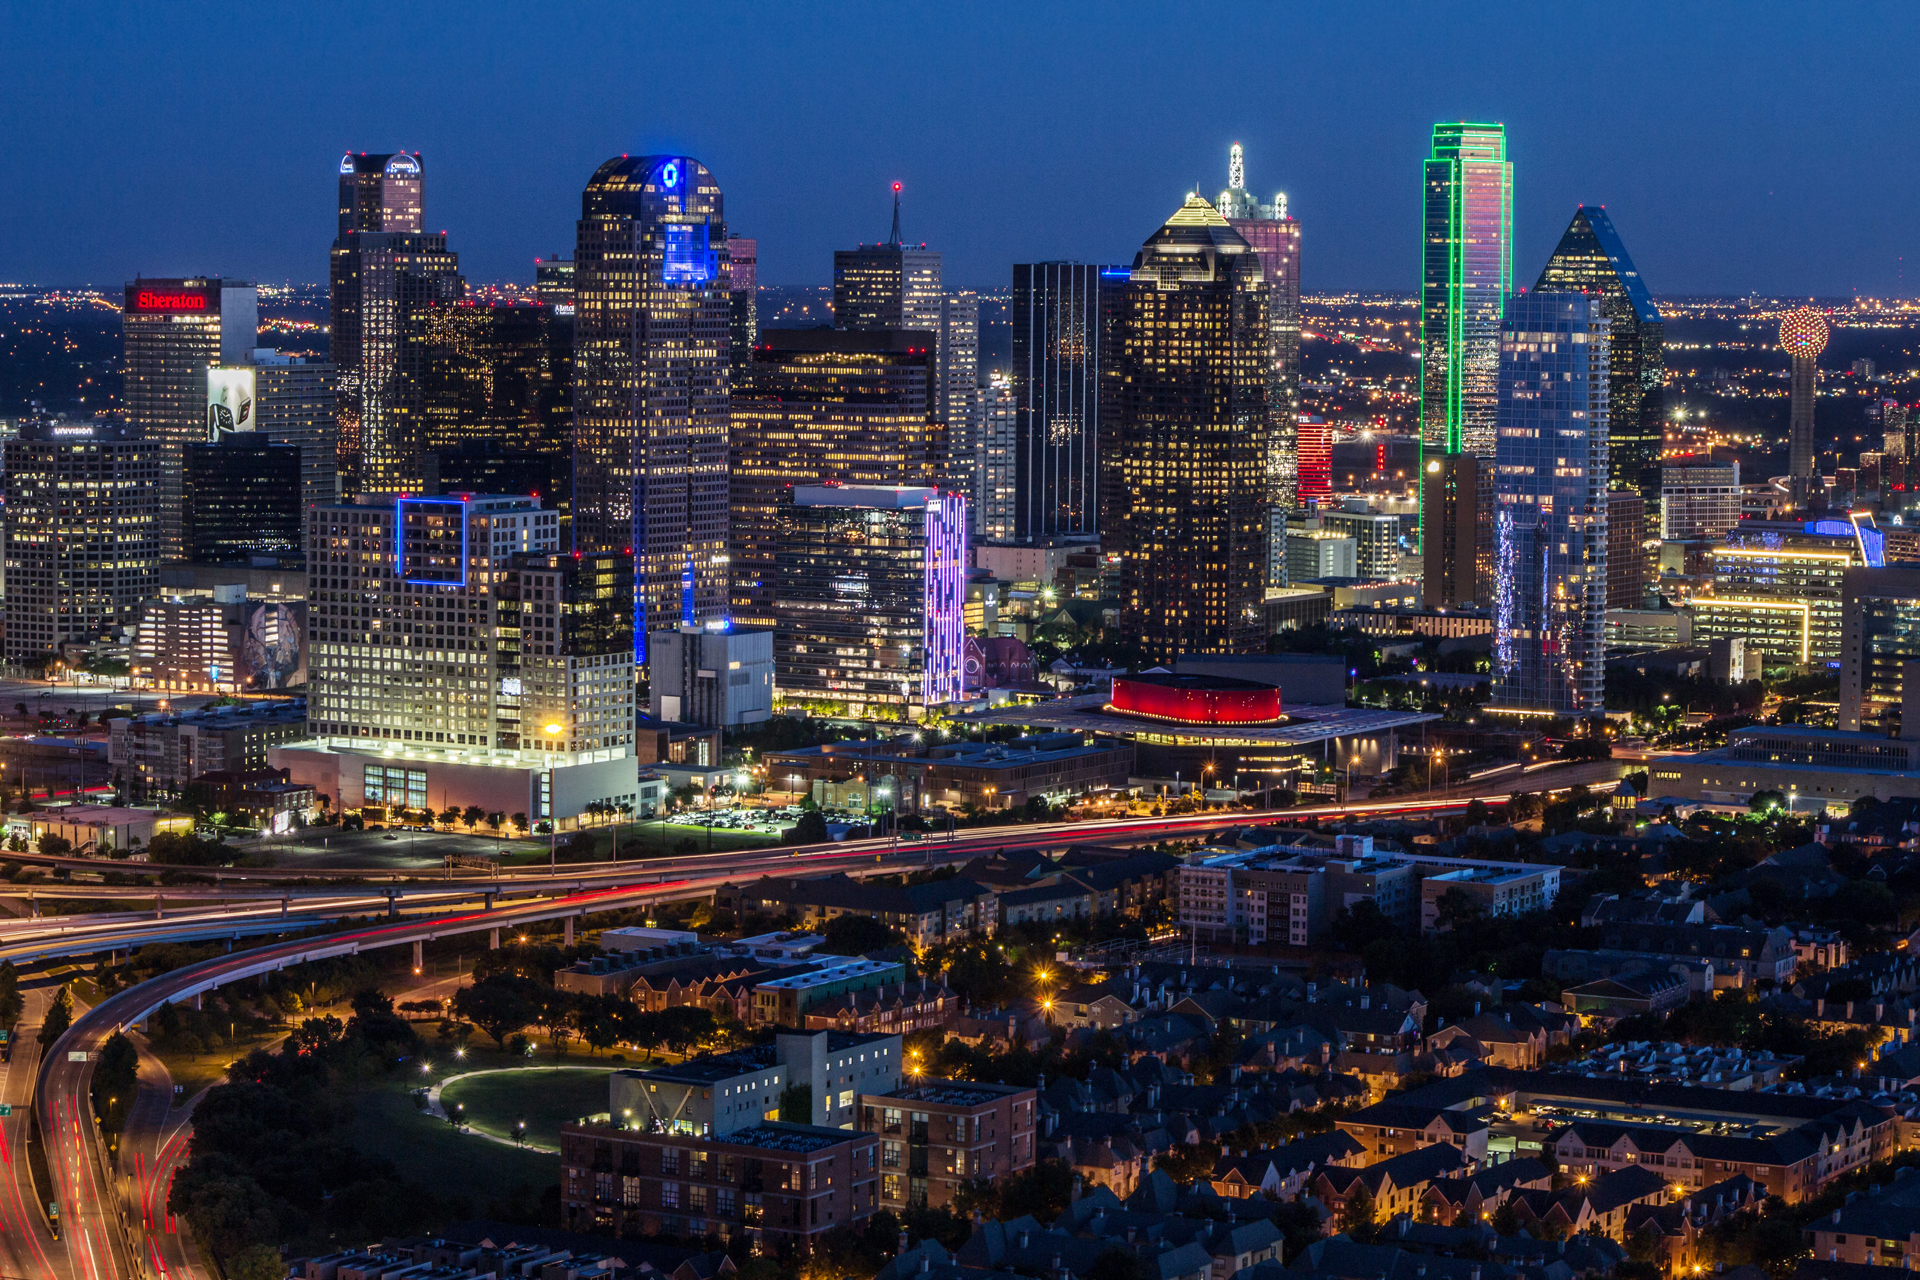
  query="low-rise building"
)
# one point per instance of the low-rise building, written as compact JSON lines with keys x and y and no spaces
{"x":928,"y":914}
{"x":223,"y":643}
{"x":100,"y":830}
{"x":717,"y":1093}
{"x":937,"y":1135}
{"x":1878,"y":1229}
{"x":770,"y":1184}
{"x":1627,"y":995}
{"x":159,"y":754}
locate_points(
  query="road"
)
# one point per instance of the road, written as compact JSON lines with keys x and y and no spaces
{"x":26,"y":1247}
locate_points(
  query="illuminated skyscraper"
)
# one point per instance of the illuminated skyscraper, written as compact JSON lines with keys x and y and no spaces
{"x":818,"y":406}
{"x":1275,"y":236}
{"x":173,"y":331}
{"x":958,"y":407}
{"x":384,"y":270}
{"x":1057,"y":363}
{"x":650,"y":383}
{"x":1803,"y":336}
{"x":869,"y":598}
{"x":493,"y":372}
{"x":82,"y":532}
{"x":1550,"y":522}
{"x":1183,"y":470}
{"x":1467,"y":276}
{"x":1591,"y":259}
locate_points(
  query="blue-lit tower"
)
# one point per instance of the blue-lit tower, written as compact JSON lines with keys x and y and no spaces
{"x":1550,"y":512}
{"x":650,"y":384}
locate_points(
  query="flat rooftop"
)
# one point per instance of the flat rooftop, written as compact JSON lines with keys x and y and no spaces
{"x":951,"y":1093}
{"x":709,"y":1068}
{"x":833,"y":973}
{"x":799,"y":1139}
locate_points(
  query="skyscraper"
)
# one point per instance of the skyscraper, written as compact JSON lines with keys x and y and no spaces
{"x":650,"y":383}
{"x":1803,"y":336}
{"x":1057,"y":360}
{"x":996,"y":483}
{"x":1550,"y":537}
{"x":384,"y":270}
{"x":173,"y":331}
{"x":492,"y":372}
{"x":294,"y":404}
{"x":1183,"y":471}
{"x":241,"y":501}
{"x":1591,"y":259}
{"x":458,"y":658}
{"x":1699,"y":499}
{"x":1275,"y":236}
{"x":82,"y":530}
{"x":817,"y":406}
{"x":869,"y":597}
{"x":958,"y":350}
{"x":887,"y":286}
{"x":1455,"y":490}
{"x":1467,"y":276}
{"x":1626,"y":546}
{"x":743,"y":300}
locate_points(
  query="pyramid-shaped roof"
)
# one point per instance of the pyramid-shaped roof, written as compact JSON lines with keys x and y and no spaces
{"x":1589,"y":238}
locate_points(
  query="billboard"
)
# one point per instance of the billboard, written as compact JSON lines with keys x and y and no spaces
{"x":230,"y":391}
{"x":273,"y":650}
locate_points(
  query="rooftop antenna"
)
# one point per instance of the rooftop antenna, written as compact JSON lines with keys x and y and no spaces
{"x":894,"y":239}
{"x":1236,"y":169}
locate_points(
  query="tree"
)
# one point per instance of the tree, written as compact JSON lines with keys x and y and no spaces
{"x":256,"y":1262}
{"x":496,"y":1008}
{"x":11,"y":1002}
{"x":59,"y":1017}
{"x":54,"y":846}
{"x":683,"y":1026}
{"x":496,"y":821}
{"x":853,"y":935}
{"x":1765,"y":802}
{"x":1359,"y":1217}
{"x":1454,"y":908}
{"x":810,"y":829}
{"x":1506,"y":1219}
{"x":472,"y":815}
{"x":448,"y":817}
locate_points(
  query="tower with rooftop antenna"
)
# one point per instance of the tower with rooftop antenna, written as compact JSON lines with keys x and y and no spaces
{"x":1275,"y":238}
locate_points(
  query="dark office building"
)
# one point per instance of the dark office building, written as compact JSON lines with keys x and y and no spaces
{"x":743,"y":301}
{"x":240,"y":501}
{"x":819,"y":406}
{"x":1057,"y":353}
{"x":496,"y":466}
{"x":1456,"y":501}
{"x":650,"y":383}
{"x":1626,"y":550}
{"x":493,"y":372}
{"x":1591,"y":259}
{"x":1183,"y":469}
{"x":553,"y":284}
{"x":384,"y":272}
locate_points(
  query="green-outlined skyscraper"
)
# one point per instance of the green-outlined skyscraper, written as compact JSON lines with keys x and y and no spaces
{"x":1467,"y":276}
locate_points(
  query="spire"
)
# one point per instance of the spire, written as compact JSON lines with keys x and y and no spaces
{"x":894,"y":239}
{"x":1236,"y":169}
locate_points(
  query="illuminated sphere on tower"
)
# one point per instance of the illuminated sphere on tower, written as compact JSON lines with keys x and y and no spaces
{"x":1803,"y":333}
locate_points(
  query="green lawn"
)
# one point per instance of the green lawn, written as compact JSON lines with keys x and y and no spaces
{"x":640,"y":840}
{"x":386,"y":1122}
{"x":545,"y":1097}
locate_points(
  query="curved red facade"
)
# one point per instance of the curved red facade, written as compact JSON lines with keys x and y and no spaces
{"x":1192,"y":701}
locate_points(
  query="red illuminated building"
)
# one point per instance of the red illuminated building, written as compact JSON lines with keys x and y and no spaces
{"x":1201,"y":700}
{"x":1315,"y":451}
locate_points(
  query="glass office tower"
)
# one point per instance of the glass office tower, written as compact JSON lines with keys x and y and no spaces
{"x":819,"y":406}
{"x":1183,"y":469}
{"x":1591,"y":259}
{"x":383,"y":270}
{"x":1467,"y":276}
{"x":1056,"y":391}
{"x":650,"y":383}
{"x":1550,"y":521}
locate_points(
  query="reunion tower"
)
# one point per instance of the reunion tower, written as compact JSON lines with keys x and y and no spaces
{"x":1803,"y":336}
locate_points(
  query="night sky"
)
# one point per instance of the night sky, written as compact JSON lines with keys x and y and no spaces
{"x":1740,"y":147}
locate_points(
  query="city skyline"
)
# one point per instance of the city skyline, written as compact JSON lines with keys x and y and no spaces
{"x":1702,"y":194}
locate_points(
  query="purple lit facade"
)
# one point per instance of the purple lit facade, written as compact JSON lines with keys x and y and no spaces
{"x":946,"y":598}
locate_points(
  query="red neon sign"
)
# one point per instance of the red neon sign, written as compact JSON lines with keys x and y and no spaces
{"x":147,"y":301}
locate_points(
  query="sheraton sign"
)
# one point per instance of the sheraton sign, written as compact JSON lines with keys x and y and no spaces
{"x":154,"y":300}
